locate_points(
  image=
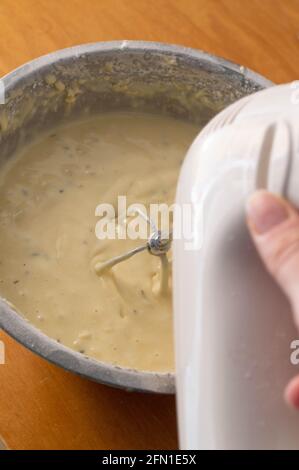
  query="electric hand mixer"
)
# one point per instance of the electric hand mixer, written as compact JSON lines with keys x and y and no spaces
{"x":233,"y":326}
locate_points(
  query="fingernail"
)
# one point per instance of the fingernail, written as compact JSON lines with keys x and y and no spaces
{"x":265,"y":211}
{"x":292,"y":393}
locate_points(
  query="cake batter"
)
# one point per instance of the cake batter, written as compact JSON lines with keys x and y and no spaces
{"x":48,"y":194}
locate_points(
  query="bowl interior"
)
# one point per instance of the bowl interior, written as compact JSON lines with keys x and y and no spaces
{"x":84,"y":80}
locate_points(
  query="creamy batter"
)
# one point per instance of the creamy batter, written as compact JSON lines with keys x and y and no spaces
{"x":48,"y":195}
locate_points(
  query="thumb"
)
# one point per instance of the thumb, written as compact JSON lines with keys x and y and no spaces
{"x":274,"y":227}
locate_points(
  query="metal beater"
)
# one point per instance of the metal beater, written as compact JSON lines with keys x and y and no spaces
{"x":158,"y":244}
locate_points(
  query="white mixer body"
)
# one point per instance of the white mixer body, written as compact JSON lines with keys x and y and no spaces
{"x":233,"y":326}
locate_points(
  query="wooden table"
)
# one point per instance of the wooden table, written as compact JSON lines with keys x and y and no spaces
{"x":41,"y":405}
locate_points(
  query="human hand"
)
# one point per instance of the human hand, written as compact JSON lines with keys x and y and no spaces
{"x":274,"y":227}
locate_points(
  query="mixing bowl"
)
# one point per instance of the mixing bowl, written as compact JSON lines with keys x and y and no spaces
{"x":166,"y":79}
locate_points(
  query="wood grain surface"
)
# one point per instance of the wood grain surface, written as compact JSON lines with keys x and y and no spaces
{"x":41,"y":405}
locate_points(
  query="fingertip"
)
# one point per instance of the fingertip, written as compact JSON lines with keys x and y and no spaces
{"x":292,"y":393}
{"x":265,"y":211}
